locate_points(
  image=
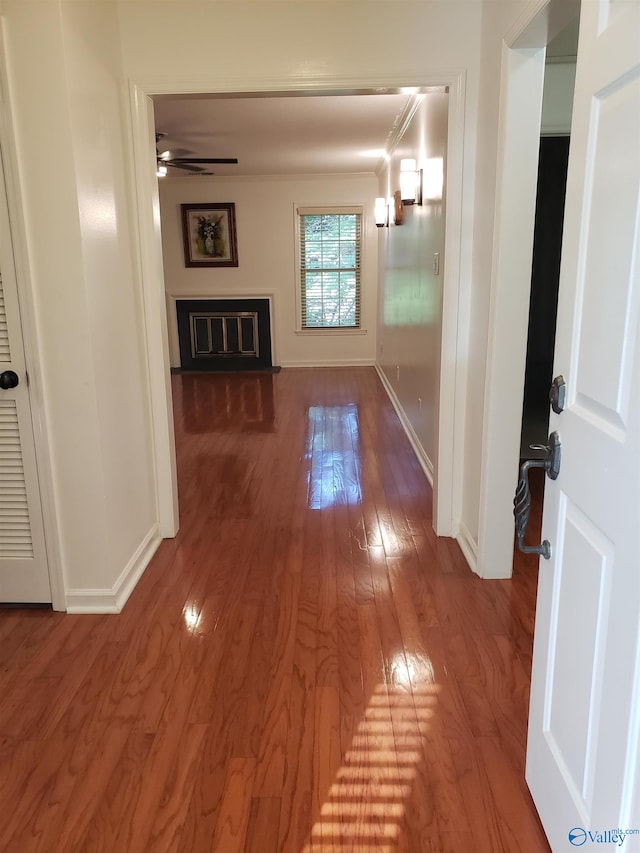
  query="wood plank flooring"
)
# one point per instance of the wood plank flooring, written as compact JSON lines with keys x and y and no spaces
{"x":304,"y":669}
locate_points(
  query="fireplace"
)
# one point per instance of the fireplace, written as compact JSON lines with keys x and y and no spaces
{"x":224,"y":334}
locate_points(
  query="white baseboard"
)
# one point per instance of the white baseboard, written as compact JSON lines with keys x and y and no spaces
{"x":114,"y":599}
{"x":425,"y":463}
{"x":465,"y":540}
{"x":468,"y":546}
{"x":349,"y":362}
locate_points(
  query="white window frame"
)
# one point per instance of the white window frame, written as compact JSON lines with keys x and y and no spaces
{"x":332,"y":209}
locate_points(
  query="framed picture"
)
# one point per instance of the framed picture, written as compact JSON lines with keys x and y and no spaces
{"x":209,"y":232}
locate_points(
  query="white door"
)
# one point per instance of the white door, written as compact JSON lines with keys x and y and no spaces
{"x":24,"y":575}
{"x":583,"y":762}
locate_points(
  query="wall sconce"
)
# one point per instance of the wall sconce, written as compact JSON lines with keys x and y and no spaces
{"x":381,"y":213}
{"x":161,"y":171}
{"x":410,"y":182}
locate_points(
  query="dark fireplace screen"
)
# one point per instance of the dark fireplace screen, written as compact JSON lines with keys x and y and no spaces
{"x":224,"y":334}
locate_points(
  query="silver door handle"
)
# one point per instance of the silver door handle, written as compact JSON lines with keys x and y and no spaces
{"x":522,"y":499}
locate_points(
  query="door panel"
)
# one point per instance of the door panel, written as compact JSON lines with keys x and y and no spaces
{"x":585,"y":694}
{"x":582,"y":597}
{"x":607,"y":337}
{"x":24,"y":575}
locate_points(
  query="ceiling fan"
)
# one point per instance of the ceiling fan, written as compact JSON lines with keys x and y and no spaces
{"x":175,"y":158}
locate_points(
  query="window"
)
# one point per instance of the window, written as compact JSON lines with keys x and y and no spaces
{"x":330,"y":248}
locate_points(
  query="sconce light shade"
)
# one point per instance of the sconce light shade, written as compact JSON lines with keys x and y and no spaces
{"x":410,"y":182}
{"x":381,"y":213}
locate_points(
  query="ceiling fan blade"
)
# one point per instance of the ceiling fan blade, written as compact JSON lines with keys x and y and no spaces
{"x":186,"y":166}
{"x":231,"y":160}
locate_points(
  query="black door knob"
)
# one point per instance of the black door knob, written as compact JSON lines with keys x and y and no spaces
{"x":8,"y":379}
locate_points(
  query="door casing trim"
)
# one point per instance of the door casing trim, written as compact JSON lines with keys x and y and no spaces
{"x":521,"y":87}
{"x":452,"y":380}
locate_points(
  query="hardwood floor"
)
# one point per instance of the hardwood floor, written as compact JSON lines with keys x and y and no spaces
{"x":304,"y":668}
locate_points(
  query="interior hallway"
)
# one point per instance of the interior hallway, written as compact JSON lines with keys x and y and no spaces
{"x":304,"y":668}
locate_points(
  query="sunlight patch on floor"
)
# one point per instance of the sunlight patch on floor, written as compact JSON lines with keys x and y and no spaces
{"x":365,"y":806}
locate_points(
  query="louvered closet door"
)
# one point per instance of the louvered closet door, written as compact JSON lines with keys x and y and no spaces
{"x":24,"y":575}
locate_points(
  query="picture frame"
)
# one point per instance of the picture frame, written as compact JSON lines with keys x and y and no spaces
{"x":209,"y":234}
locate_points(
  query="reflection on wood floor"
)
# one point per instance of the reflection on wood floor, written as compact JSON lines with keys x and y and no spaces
{"x":304,"y":668}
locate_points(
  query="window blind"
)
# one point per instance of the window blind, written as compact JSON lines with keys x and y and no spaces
{"x":330,"y":262}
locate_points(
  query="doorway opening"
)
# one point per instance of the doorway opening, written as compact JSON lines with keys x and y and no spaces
{"x":557,"y":102}
{"x":452,"y":376}
{"x":452,"y":370}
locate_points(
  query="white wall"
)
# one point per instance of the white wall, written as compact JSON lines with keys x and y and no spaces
{"x":64,"y":80}
{"x":170,"y":41}
{"x":512,"y":82}
{"x":113,"y":299}
{"x":497,"y":19}
{"x":410,"y":302}
{"x":265,"y":224}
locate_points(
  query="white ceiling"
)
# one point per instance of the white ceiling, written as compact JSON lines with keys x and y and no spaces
{"x":283,"y":135}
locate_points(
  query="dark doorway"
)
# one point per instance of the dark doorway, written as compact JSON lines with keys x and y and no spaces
{"x":543,"y":306}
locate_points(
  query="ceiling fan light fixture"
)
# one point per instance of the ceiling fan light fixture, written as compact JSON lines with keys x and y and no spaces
{"x":179,"y":158}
